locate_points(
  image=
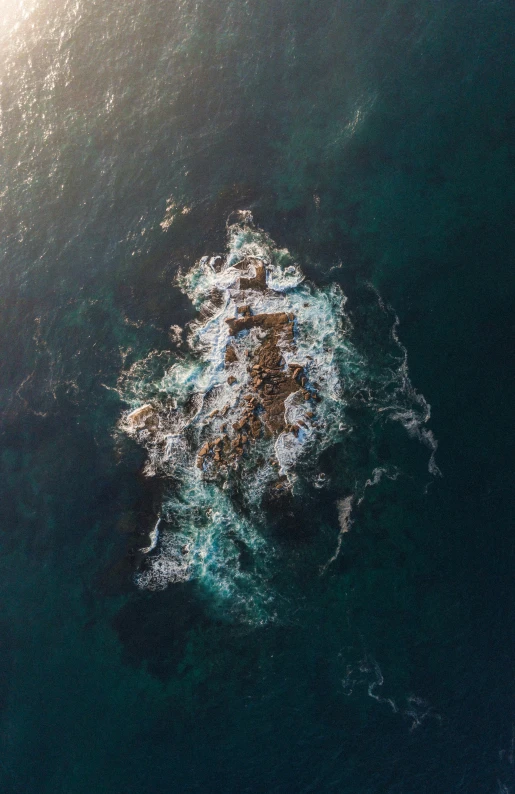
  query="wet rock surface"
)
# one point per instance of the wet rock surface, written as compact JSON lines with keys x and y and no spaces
{"x":243,"y":408}
{"x":270,"y":381}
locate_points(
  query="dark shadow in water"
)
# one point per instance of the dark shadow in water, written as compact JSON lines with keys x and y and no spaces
{"x":154,"y":627}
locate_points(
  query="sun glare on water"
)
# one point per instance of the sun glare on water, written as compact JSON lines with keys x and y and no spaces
{"x":14,"y":13}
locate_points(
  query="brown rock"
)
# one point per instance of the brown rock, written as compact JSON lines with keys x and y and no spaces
{"x":237,"y":324}
{"x":255,"y":282}
{"x":230,"y":355}
{"x":255,"y":429}
{"x":140,"y":416}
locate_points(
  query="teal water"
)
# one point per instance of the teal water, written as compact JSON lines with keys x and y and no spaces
{"x":375,"y":141}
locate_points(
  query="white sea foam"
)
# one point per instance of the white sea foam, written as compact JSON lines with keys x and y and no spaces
{"x":344,"y":507}
{"x":209,"y":535}
{"x":367,"y":673}
{"x":154,"y":535}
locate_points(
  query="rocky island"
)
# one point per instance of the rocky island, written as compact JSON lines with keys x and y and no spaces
{"x":256,"y":392}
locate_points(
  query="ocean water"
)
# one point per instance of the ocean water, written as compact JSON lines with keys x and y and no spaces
{"x":357,"y":638}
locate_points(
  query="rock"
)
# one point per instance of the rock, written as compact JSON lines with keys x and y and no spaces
{"x":266,"y":321}
{"x":230,"y":355}
{"x":258,"y":281}
{"x":270,"y":380}
{"x":139,"y":417}
{"x":255,"y":428}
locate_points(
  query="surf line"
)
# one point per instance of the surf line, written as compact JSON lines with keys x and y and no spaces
{"x":153,"y":537}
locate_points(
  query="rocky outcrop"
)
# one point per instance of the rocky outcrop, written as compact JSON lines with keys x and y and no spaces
{"x":262,"y":407}
{"x":141,"y":417}
{"x":247,"y":320}
{"x":230,"y":355}
{"x":257,"y":390}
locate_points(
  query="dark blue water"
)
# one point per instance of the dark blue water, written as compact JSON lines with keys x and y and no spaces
{"x":377,"y":142}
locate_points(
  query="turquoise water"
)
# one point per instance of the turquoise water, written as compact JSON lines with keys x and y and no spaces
{"x":374,"y":141}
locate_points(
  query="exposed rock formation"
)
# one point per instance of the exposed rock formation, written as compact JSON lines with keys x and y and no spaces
{"x":141,"y":416}
{"x":270,"y":380}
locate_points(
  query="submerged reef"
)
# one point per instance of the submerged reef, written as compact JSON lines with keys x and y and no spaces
{"x":242,"y":415}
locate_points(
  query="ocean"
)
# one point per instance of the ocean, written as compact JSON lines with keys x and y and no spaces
{"x":160,"y":634}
